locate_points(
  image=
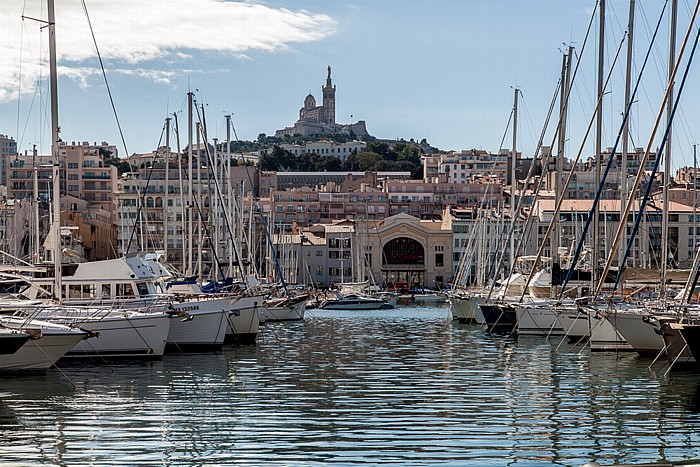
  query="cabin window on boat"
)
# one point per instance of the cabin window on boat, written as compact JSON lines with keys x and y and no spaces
{"x":125,"y":290}
{"x":106,"y":290}
{"x":142,"y":288}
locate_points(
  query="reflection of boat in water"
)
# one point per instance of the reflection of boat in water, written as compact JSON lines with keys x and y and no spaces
{"x":355,"y":302}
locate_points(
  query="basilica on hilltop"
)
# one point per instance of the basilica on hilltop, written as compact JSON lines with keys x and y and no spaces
{"x":321,"y":118}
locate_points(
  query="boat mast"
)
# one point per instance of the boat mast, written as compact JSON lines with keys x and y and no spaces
{"x":37,"y":245}
{"x":167,"y":187}
{"x":695,"y":195}
{"x":214,"y":201}
{"x":183,"y":209}
{"x":513,"y":182}
{"x":229,"y":246}
{"x":598,"y":143}
{"x":667,"y":156}
{"x":626,"y":128}
{"x":190,"y":196}
{"x":56,"y":223}
{"x":199,"y":203}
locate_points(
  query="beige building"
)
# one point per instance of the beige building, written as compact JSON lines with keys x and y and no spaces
{"x":402,"y":248}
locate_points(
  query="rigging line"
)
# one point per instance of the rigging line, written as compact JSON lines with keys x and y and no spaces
{"x":202,"y":130}
{"x":647,"y":192}
{"x":505,"y":133}
{"x":528,"y":120}
{"x":19,"y":80}
{"x":567,"y":183}
{"x":601,"y":186}
{"x":104,"y":75}
{"x":260,"y":213}
{"x":143,"y":196}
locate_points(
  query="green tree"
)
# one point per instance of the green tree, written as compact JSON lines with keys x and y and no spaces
{"x":367,"y":161}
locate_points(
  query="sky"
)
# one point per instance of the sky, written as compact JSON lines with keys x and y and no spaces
{"x":440,"y":70}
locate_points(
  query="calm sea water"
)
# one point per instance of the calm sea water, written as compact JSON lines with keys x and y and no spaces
{"x":403,"y":386}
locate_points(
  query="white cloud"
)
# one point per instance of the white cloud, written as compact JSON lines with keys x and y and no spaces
{"x":136,"y":31}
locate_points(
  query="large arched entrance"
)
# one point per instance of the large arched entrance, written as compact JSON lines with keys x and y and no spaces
{"x":403,"y":263}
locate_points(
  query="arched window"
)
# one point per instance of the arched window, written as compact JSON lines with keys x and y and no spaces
{"x":404,"y":250}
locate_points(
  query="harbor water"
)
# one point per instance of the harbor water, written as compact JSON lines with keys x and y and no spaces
{"x":392,"y":387}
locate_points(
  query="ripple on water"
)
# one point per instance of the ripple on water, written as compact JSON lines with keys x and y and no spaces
{"x":402,"y":386}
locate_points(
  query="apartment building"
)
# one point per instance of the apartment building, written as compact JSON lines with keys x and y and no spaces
{"x":8,"y":150}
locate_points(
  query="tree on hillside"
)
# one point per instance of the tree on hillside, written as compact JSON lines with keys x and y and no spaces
{"x":366,"y":161}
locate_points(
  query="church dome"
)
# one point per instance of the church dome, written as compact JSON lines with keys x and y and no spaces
{"x":310,"y":102}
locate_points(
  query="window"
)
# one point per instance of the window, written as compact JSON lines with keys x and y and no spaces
{"x":319,"y":253}
{"x":439,"y":262}
{"x":439,"y":248}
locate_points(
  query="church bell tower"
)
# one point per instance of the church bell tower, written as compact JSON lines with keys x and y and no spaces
{"x":329,"y":100}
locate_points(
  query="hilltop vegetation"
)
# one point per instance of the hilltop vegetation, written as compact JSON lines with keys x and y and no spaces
{"x":378,"y":156}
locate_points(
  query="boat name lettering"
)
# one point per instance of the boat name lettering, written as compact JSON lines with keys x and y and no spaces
{"x":188,"y":308}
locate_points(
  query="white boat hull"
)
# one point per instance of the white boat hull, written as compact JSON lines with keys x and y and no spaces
{"x":200,"y":324}
{"x":639,"y":332}
{"x":10,"y":342}
{"x":128,"y":335}
{"x":538,"y":319}
{"x":44,"y":352}
{"x":461,"y":309}
{"x":294,"y":312}
{"x":243,"y":320}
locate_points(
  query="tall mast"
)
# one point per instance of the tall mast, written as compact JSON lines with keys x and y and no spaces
{"x":190,"y":196}
{"x":214,"y":201}
{"x":695,"y":195}
{"x":183,"y":209}
{"x":558,"y":182}
{"x":56,"y":224}
{"x":167,"y":187}
{"x":229,"y":199}
{"x":37,"y":245}
{"x":626,"y":128}
{"x":199,"y":203}
{"x":667,"y":155}
{"x":513,"y":181}
{"x":598,"y":142}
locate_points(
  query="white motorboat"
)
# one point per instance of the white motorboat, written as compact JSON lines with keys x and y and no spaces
{"x":355,"y":302}
{"x":134,"y":282}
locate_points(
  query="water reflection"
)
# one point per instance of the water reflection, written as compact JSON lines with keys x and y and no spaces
{"x":403,"y":386}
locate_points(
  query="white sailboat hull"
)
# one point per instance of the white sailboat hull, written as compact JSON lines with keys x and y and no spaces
{"x":10,"y":342}
{"x":201,"y":324}
{"x":243,"y":320}
{"x":461,"y":309}
{"x":538,"y":319}
{"x":638,"y":332}
{"x":44,"y":352}
{"x":131,"y":334}
{"x":292,"y":312}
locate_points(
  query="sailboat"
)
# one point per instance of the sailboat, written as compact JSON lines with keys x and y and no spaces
{"x":121,"y":332}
